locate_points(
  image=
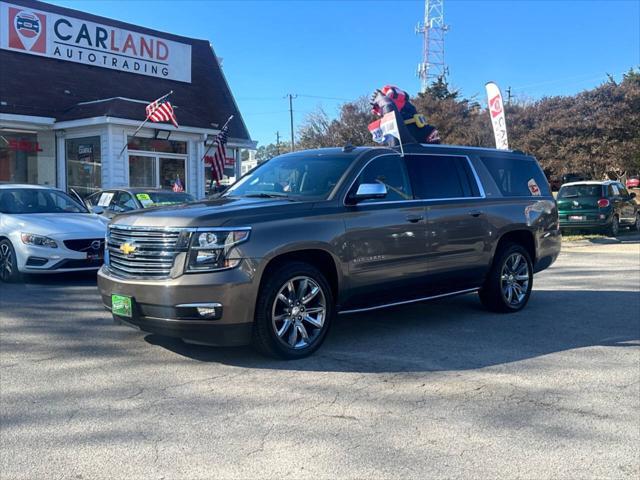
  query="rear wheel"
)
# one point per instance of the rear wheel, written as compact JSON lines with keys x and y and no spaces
{"x":614,"y":227}
{"x":637,"y":224}
{"x":8,"y":263}
{"x":294,"y":312}
{"x":508,"y":285}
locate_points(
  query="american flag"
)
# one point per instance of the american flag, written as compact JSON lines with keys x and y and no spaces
{"x":177,"y":185}
{"x":217,"y":163}
{"x":161,"y":111}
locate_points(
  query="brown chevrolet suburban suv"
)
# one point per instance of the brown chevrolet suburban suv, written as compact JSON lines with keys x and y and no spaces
{"x":313,"y":234}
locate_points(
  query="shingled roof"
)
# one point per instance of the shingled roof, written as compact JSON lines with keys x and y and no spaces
{"x":47,"y":87}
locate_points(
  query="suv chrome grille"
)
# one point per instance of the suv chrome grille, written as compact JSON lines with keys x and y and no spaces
{"x":140,"y":252}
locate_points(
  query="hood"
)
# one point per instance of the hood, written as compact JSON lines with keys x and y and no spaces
{"x":213,"y":213}
{"x":82,"y":225}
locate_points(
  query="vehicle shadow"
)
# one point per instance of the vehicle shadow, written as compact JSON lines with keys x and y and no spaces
{"x":73,"y":279}
{"x":452,"y":334}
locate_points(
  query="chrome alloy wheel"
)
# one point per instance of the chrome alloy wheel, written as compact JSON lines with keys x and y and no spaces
{"x":299,"y":312}
{"x":6,"y":262}
{"x":514,"y":279}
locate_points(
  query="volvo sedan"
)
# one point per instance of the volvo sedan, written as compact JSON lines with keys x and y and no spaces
{"x":44,"y":230}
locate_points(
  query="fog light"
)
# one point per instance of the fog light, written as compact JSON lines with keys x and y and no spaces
{"x":206,"y":312}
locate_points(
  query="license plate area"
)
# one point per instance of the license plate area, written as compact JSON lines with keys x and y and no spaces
{"x":577,"y":218}
{"x":121,"y":305}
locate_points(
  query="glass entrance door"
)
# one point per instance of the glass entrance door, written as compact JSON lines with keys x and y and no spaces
{"x":142,"y":171}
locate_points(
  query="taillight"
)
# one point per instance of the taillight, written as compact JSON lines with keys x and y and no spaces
{"x":603,"y":202}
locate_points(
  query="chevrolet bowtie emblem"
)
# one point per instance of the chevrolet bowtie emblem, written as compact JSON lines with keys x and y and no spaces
{"x":127,"y":248}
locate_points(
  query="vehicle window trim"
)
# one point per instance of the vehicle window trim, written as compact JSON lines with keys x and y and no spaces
{"x":473,"y":170}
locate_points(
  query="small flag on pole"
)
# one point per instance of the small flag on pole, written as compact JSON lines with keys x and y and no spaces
{"x":217,"y":163}
{"x":177,"y":185}
{"x":161,"y":111}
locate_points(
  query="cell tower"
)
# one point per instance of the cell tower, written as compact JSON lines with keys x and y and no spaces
{"x":432,"y":30}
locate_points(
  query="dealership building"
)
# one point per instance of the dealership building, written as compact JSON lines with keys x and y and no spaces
{"x":73,"y":91}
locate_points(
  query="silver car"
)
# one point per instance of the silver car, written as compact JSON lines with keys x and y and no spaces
{"x":44,"y":230}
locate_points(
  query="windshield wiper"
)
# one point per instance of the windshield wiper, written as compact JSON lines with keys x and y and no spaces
{"x":266,"y":195}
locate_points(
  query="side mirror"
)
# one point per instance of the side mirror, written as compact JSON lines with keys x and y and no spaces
{"x":97,"y":209}
{"x":369,"y":191}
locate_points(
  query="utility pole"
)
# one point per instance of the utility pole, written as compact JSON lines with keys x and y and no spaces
{"x":278,"y":142}
{"x":508,"y":95}
{"x":291,"y":97}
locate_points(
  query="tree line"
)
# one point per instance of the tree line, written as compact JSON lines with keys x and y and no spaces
{"x":593,"y":132}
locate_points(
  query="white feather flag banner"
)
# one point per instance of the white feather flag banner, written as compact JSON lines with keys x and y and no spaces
{"x":496,"y":110}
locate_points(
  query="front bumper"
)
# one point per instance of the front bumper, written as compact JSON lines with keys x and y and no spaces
{"x":156,"y":304}
{"x":35,"y":259}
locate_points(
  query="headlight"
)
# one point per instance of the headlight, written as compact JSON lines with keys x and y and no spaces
{"x":38,"y":240}
{"x":209,"y":250}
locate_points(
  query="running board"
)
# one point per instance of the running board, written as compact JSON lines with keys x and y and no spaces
{"x":406,"y":302}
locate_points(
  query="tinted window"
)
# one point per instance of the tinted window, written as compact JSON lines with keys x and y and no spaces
{"x":569,"y":191}
{"x":304,"y":176}
{"x":623,"y":191}
{"x":441,"y":177}
{"x":390,"y":171}
{"x":515,"y":176}
{"x":31,"y":200}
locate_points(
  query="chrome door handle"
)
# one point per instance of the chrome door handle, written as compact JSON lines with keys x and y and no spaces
{"x":414,"y":218}
{"x":475,"y":213}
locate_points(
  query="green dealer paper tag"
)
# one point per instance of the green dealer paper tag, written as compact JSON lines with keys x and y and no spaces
{"x":121,"y":305}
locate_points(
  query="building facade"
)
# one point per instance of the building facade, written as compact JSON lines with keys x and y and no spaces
{"x":73,"y":92}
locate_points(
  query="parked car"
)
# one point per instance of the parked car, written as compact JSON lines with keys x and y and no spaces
{"x":602,"y":206}
{"x":633,"y":181}
{"x":312,"y":234}
{"x":119,"y":200}
{"x":44,"y":230}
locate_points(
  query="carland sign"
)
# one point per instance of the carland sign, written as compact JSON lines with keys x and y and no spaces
{"x":66,"y":38}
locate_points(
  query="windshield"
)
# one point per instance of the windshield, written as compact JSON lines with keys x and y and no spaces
{"x":36,"y":200}
{"x":304,"y":177}
{"x":580,"y":191}
{"x":157,"y":199}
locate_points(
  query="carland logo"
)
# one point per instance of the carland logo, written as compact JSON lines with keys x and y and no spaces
{"x":27,"y":30}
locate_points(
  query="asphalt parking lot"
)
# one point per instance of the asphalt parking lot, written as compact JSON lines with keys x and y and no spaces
{"x":443,"y":389}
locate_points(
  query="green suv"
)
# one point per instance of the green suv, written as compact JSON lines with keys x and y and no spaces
{"x":604,"y":206}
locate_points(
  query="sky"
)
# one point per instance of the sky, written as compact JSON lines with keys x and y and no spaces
{"x":328,"y":52}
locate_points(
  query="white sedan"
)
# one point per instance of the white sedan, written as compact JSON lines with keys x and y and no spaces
{"x":44,"y":230}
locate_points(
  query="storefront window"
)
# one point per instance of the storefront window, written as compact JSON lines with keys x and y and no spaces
{"x":27,"y":157}
{"x":84,"y":165}
{"x":142,"y":171}
{"x":172,"y":172}
{"x":153,"y":171}
{"x":156,"y":145}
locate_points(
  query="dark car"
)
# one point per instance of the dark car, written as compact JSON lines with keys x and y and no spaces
{"x":601,"y":206}
{"x":312,"y":234}
{"x":119,"y":200}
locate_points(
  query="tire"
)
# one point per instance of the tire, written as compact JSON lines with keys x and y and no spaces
{"x":614,"y":227}
{"x":507,"y":275}
{"x":8,"y":263}
{"x":282,"y":317}
{"x":636,"y":226}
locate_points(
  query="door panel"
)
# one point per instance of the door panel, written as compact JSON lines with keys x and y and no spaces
{"x":457,"y":239}
{"x":387,"y":259}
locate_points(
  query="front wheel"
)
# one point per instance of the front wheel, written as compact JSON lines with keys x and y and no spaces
{"x":509,"y":282}
{"x":294,"y":312}
{"x":8,"y":263}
